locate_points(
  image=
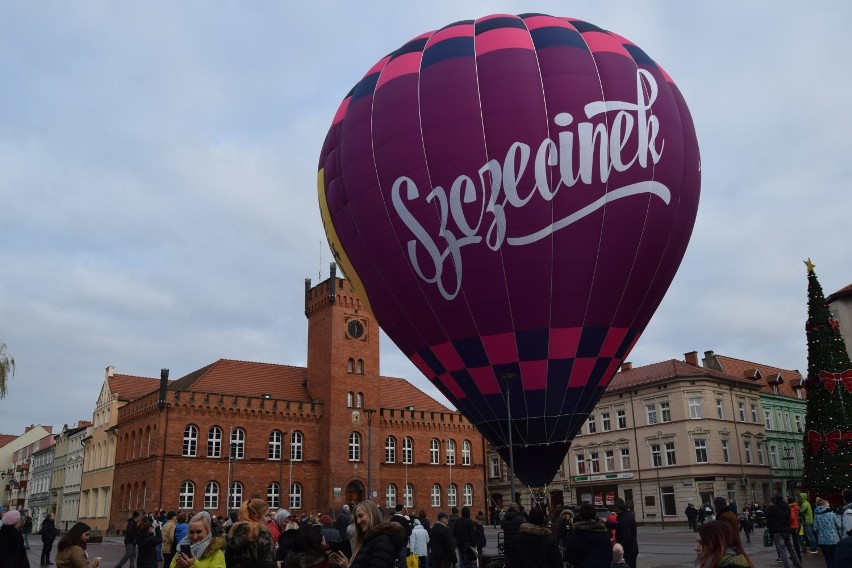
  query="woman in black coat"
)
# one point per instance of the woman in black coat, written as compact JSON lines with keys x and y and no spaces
{"x":48,"y":535}
{"x":377,"y":543}
{"x":146,"y":545}
{"x":535,"y":545}
{"x":588,"y":545}
{"x":13,"y":554}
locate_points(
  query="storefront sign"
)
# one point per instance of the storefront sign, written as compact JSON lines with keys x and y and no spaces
{"x":603,"y":477}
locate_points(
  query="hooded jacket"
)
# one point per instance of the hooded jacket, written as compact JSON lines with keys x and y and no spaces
{"x":778,"y":517}
{"x":589,"y":546}
{"x":381,"y":546}
{"x":511,"y":524}
{"x":826,"y":525}
{"x":535,"y":547}
{"x":806,"y":513}
{"x":418,"y":542}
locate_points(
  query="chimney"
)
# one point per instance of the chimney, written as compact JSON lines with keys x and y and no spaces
{"x":626,"y":366}
{"x":710,"y":361}
{"x":691,"y":358}
{"x":110,"y":371}
{"x":332,"y":283}
{"x":164,"y":383}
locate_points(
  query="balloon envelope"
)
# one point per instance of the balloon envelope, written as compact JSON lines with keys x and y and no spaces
{"x":512,"y":196}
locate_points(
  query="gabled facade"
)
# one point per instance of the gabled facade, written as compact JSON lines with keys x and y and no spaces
{"x":98,"y":467}
{"x":783,"y":398}
{"x":66,"y":475}
{"x":39,"y":487}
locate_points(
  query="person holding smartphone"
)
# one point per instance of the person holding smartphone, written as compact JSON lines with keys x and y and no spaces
{"x":71,"y":552}
{"x":377,"y":543}
{"x":199,"y":548}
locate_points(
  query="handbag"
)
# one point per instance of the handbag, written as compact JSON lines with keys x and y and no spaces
{"x":412,"y":561}
{"x":767,"y":540}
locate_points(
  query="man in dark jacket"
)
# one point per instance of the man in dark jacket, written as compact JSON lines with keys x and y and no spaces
{"x":512,"y":521}
{"x":588,"y":543}
{"x":463,"y":535}
{"x":724,"y":514}
{"x":48,"y":535}
{"x":130,"y":536}
{"x":843,"y":552}
{"x":535,"y":545}
{"x":692,"y":516}
{"x":443,"y":551}
{"x":344,"y":519}
{"x":400,"y":518}
{"x":625,"y":532}
{"x":778,"y":523}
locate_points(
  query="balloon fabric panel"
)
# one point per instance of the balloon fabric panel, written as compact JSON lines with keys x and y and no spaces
{"x":512,"y":196}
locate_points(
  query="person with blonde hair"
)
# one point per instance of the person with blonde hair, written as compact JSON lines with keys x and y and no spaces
{"x":250,"y":543}
{"x":827,"y":528}
{"x":199,"y":548}
{"x":377,"y":543}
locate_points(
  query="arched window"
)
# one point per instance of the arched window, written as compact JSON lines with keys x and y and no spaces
{"x":295,"y":496}
{"x":296,"y":446}
{"x":350,"y":399}
{"x":408,"y":496}
{"x":276,"y":438}
{"x":359,"y":400}
{"x":451,"y":452}
{"x":390,"y":496}
{"x":434,"y":451}
{"x":236,"y":496}
{"x":360,"y":366}
{"x":390,"y":449}
{"x":354,"y":447}
{"x":214,"y":442}
{"x":468,"y":495}
{"x":350,"y":366}
{"x":238,"y":443}
{"x":466,"y":452}
{"x":273,"y":495}
{"x":436,"y":495}
{"x":190,"y":441}
{"x":407,"y":451}
{"x":186,"y":498}
{"x":452,"y":496}
{"x":211,"y":495}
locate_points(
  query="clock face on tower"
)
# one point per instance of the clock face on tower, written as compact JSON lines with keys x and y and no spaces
{"x":355,"y":328}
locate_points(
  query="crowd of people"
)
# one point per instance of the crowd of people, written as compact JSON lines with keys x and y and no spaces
{"x":363,"y":535}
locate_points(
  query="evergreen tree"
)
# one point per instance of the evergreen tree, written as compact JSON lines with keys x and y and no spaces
{"x":7,"y":369}
{"x":828,"y":423}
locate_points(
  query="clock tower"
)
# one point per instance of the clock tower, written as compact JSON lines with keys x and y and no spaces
{"x":343,"y":375}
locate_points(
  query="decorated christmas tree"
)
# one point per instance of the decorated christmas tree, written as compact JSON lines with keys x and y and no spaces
{"x":828,"y":424}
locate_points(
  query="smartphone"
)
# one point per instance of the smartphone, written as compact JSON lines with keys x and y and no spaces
{"x":186,"y":550}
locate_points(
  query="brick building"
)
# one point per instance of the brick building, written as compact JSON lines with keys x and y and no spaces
{"x":319,"y":436}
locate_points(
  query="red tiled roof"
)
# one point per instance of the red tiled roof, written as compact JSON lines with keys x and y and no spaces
{"x":670,"y":369}
{"x":842,"y":293}
{"x":248,"y":379}
{"x":129,"y":387}
{"x":739,"y":367}
{"x":399,"y":393}
{"x":6,"y":438}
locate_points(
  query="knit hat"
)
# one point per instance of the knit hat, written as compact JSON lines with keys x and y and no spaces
{"x":325,"y":520}
{"x":11,"y":518}
{"x":537,"y":516}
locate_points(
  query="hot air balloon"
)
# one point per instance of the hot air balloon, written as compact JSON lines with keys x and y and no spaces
{"x":512,"y":196}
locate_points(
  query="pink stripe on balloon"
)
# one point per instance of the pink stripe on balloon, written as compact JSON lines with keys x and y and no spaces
{"x":448,"y":356}
{"x":378,"y":66}
{"x":501,"y":348}
{"x":452,"y":386}
{"x":534,"y":375}
{"x":602,"y":42}
{"x":580,"y":371}
{"x":408,"y":64}
{"x":563,"y":342}
{"x":535,"y":22}
{"x":461,"y":30}
{"x":610,"y":372}
{"x":613,"y":341}
{"x":485,"y":380}
{"x":494,"y":16}
{"x":503,"y":38}
{"x":422,"y":365}
{"x":341,"y":110}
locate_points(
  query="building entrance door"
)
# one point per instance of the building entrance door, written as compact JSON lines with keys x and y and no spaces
{"x":354,"y":493}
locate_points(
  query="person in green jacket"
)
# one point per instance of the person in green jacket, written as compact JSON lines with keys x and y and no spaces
{"x":806,"y":517}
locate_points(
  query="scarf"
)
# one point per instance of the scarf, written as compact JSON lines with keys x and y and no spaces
{"x":199,"y":547}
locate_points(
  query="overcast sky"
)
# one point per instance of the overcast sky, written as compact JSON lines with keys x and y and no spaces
{"x":158,"y":177}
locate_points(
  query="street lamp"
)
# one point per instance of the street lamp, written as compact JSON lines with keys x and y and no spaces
{"x":369,"y":412}
{"x":507,"y":379}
